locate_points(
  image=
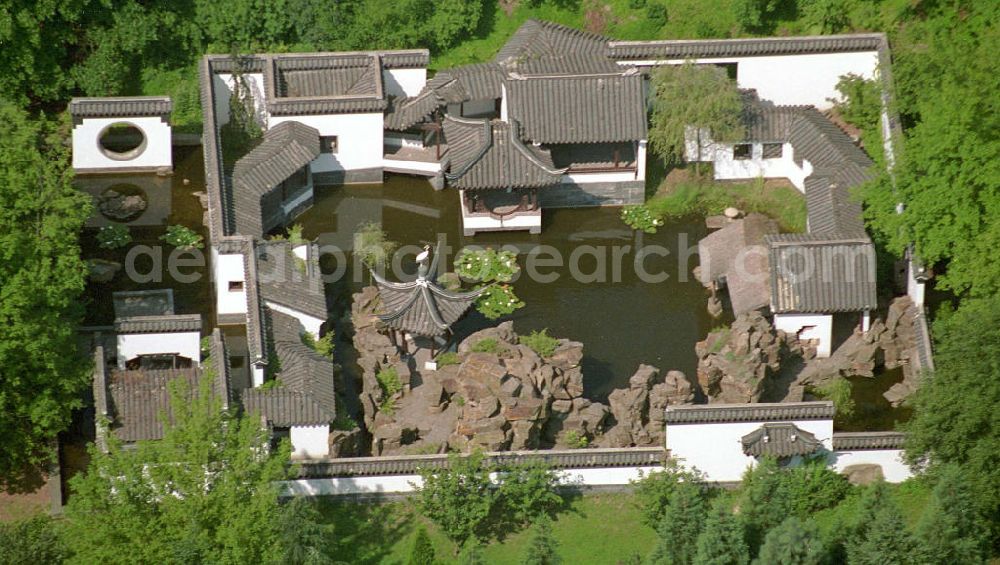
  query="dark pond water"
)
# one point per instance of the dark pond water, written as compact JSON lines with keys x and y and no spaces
{"x":169,"y":201}
{"x":622,"y":319}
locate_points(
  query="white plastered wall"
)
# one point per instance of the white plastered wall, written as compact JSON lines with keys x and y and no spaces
{"x":403,"y":82}
{"x":88,"y":154}
{"x":808,"y":326}
{"x":359,"y":140}
{"x":891,"y":460}
{"x":186,"y":344}
{"x":809,"y":79}
{"x":310,"y":442}
{"x":715,"y":448}
{"x":225,"y":268}
{"x":310,"y":323}
{"x":223,"y":88}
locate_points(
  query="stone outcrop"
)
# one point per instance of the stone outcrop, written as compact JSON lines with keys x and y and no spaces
{"x":506,"y":398}
{"x":737,"y":364}
{"x":639,"y":410}
{"x":102,"y":270}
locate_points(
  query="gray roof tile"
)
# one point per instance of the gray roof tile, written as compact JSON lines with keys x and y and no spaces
{"x":120,"y":106}
{"x":488,"y":154}
{"x":747,"y":47}
{"x":769,"y":412}
{"x":579,"y":109}
{"x":779,"y":440}
{"x":285,"y":149}
{"x":290,"y":281}
{"x":737,"y":253}
{"x":158,"y":324}
{"x":843,"y":441}
{"x":813,"y":274}
{"x":404,"y":113}
{"x":421,"y":307}
{"x":540,"y":38}
{"x":306,"y":396}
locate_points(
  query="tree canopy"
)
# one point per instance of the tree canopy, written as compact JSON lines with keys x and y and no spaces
{"x":955,"y":420}
{"x":205,"y":493}
{"x":949,"y":160}
{"x":688,"y":100}
{"x":41,"y":280}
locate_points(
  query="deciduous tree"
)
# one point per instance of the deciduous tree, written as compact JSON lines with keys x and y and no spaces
{"x":41,"y":279}
{"x":204,"y":493}
{"x":688,"y":100}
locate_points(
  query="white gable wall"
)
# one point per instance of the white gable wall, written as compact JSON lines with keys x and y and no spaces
{"x":310,"y":323}
{"x":187,"y":344}
{"x":791,"y":79}
{"x":87,"y":153}
{"x":225,"y":268}
{"x":223,"y":86}
{"x":715,"y":448}
{"x":808,"y":326}
{"x":359,"y":140}
{"x":403,"y":82}
{"x":891,"y":460}
{"x":310,"y":442}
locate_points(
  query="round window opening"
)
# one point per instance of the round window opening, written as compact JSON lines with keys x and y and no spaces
{"x":122,"y":141}
{"x":123,"y":202}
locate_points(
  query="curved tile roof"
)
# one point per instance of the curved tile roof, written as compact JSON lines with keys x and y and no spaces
{"x":489,"y":155}
{"x":779,"y":440}
{"x":421,"y":307}
{"x":748,"y":47}
{"x":759,"y":412}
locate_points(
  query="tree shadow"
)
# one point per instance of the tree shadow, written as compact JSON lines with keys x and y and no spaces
{"x":365,"y":530}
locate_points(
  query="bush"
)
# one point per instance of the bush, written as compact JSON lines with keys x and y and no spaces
{"x":839,"y":391}
{"x":466,"y":505}
{"x":422,"y":552}
{"x":576,"y":440}
{"x":272,"y":384}
{"x":388,"y":381}
{"x":35,"y":540}
{"x":324,"y":345}
{"x":182,"y":237}
{"x":448,"y":358}
{"x":114,"y":236}
{"x":653,"y":491}
{"x":487,"y":345}
{"x":540,"y":342}
{"x":656,"y":13}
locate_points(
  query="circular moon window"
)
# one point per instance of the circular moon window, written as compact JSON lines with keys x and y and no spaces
{"x":122,"y":202}
{"x":122,"y":141}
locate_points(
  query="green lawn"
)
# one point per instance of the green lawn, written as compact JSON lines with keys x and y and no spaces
{"x":600,"y":528}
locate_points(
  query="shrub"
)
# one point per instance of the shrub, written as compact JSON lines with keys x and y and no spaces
{"x":656,"y":13}
{"x":641,"y":217}
{"x":272,"y":384}
{"x":459,"y":498}
{"x":839,"y":391}
{"x":182,"y":237}
{"x":487,"y":345}
{"x":540,"y":342}
{"x":295,"y":235}
{"x":114,"y":236}
{"x":388,"y":381}
{"x":653,"y":491}
{"x":448,"y":358}
{"x":527,"y":492}
{"x":324,"y":345}
{"x":422,"y":552}
{"x":576,"y":440}
{"x":35,"y":540}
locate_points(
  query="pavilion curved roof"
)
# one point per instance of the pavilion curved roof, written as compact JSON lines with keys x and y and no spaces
{"x":421,"y":307}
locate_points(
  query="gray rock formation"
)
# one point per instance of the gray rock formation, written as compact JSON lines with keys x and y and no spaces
{"x":639,"y":410}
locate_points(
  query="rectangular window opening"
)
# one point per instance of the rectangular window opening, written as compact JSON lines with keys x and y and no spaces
{"x":742,"y":151}
{"x":235,"y":286}
{"x":328,"y":144}
{"x":773,"y":150}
